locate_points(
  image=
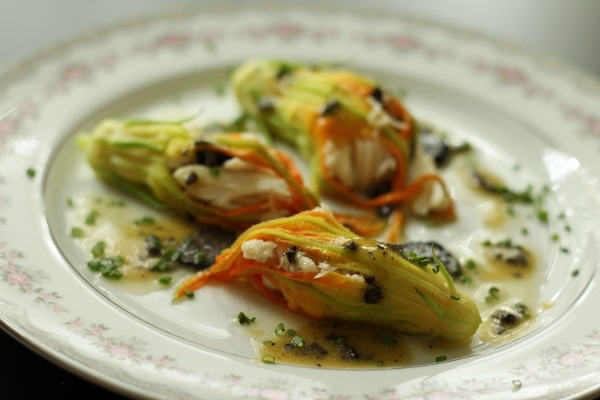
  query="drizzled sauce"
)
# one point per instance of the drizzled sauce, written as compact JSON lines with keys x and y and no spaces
{"x":338,"y":344}
{"x":325,"y":344}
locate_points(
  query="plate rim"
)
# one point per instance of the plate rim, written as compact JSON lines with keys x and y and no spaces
{"x":63,"y":48}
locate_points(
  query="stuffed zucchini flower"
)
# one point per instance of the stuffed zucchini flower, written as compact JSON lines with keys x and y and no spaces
{"x":229,"y":179}
{"x":312,"y":264}
{"x":360,"y":140}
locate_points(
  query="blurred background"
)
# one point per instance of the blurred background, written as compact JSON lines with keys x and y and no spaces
{"x":567,"y":31}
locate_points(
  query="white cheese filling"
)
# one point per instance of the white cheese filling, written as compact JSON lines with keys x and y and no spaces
{"x":432,"y":197}
{"x":269,"y":253}
{"x":236,"y":184}
{"x":359,"y":163}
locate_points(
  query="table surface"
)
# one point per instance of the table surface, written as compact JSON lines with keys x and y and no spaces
{"x":565,"y":30}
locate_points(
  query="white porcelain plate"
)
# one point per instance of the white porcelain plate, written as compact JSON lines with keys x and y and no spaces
{"x":517,"y":109}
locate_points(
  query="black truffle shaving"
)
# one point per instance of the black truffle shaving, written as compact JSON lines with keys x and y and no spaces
{"x":210,"y":157}
{"x":330,"y":107}
{"x":316,"y":348}
{"x":423,"y":250}
{"x":377,"y":94}
{"x":352,"y":245}
{"x":437,"y":147}
{"x":373,"y":292}
{"x":191,"y":178}
{"x":201,"y":247}
{"x":290,"y":254}
{"x":153,"y":245}
{"x":508,"y":318}
{"x":348,"y":353}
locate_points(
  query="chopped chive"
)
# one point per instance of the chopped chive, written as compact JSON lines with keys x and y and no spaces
{"x":160,"y":265}
{"x":280,"y":329}
{"x":173,"y":255}
{"x":441,"y":358}
{"x":336,"y":339}
{"x":117,"y":203}
{"x":268,"y":359}
{"x":517,"y":384}
{"x":145,"y":220}
{"x":297,"y":341}
{"x":30,"y":172}
{"x":76,"y":232}
{"x":98,"y":249}
{"x":200,"y":257}
{"x":165,"y":279}
{"x":575,"y":272}
{"x":90,"y":219}
{"x":189,"y":294}
{"x":107,"y":266}
{"x":493,"y":294}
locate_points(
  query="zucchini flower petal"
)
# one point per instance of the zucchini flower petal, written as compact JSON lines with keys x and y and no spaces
{"x":359,"y":138}
{"x":233,"y":180}
{"x":312,"y":264}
